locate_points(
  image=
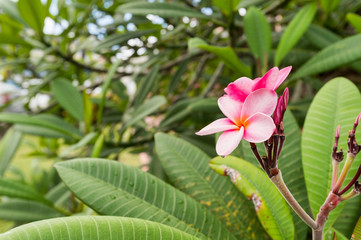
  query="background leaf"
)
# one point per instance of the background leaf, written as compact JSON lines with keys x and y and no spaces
{"x":95,"y":227}
{"x":355,"y":20}
{"x":8,"y":147}
{"x":294,"y":31}
{"x":337,"y":103}
{"x":258,"y":33}
{"x":357,"y":231}
{"x":33,"y":12}
{"x":68,"y":97}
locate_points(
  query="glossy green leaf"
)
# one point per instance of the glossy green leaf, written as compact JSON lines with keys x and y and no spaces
{"x":226,"y":54}
{"x":337,"y":103}
{"x":346,"y":221}
{"x":187,"y":168}
{"x":295,"y":31}
{"x":68,"y":97}
{"x":146,"y":85}
{"x":333,"y":56}
{"x":147,"y":108}
{"x":290,"y":164}
{"x":120,"y":39}
{"x":333,"y":232}
{"x":112,"y":188}
{"x":329,"y":5}
{"x":15,"y":189}
{"x":357,"y":231}
{"x":45,"y":121}
{"x":162,"y":9}
{"x":8,"y":147}
{"x":95,"y":228}
{"x":355,"y":20}
{"x":272,"y":210}
{"x":258,"y":33}
{"x":33,"y":12}
{"x":26,"y":211}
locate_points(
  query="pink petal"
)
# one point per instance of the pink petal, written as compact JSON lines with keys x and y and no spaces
{"x":219,"y":125}
{"x":269,"y":80}
{"x":282,"y":75}
{"x":258,"y":128}
{"x":231,"y":108}
{"x":228,"y":141}
{"x":263,"y":100}
{"x":239,"y":89}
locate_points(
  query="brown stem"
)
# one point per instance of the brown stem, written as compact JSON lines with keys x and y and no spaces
{"x":282,"y":188}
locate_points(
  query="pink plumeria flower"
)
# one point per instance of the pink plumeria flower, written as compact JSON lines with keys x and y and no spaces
{"x":242,"y":87}
{"x":249,"y":120}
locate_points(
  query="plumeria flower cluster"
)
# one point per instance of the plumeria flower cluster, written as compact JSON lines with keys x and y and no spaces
{"x":248,"y":106}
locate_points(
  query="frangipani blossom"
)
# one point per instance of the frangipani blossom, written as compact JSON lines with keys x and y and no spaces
{"x":249,"y":120}
{"x":242,"y":87}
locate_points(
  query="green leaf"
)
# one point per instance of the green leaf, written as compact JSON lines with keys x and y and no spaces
{"x":177,"y":77}
{"x":258,"y":33}
{"x":226,"y":6}
{"x":105,"y":87}
{"x":329,"y":5}
{"x":95,"y":228}
{"x":329,"y":235}
{"x":8,"y":147}
{"x":226,"y":54}
{"x":17,"y":189}
{"x":119,"y":39}
{"x":271,"y":208}
{"x":337,"y":103}
{"x":290,"y":163}
{"x":146,"y":85}
{"x":58,"y":195}
{"x":162,"y":9}
{"x":338,"y":54}
{"x":357,"y":231}
{"x":346,"y":221}
{"x":11,"y":9}
{"x":16,"y":40}
{"x":98,"y":146}
{"x":187,"y":168}
{"x":45,"y":121}
{"x":33,"y":12}
{"x":295,"y":31}
{"x":68,"y":97}
{"x":355,"y":20}
{"x":147,"y":108}
{"x":81,"y":143}
{"x":26,"y":211}
{"x":112,"y":188}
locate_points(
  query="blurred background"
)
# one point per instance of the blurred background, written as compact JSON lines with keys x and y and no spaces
{"x":81,"y":78}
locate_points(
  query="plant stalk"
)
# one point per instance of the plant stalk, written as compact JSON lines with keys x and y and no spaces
{"x":282,"y":188}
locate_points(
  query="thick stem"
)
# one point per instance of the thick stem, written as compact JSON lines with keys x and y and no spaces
{"x":317,"y":234}
{"x":281,"y":186}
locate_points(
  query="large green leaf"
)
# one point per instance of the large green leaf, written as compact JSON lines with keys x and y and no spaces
{"x":294,"y":31}
{"x":68,"y":97}
{"x":290,"y":164}
{"x":8,"y":147}
{"x":337,"y":103}
{"x":162,"y":9}
{"x":258,"y":33}
{"x":33,"y":12}
{"x":119,"y":39}
{"x":116,"y":189}
{"x":26,"y":211}
{"x":48,"y":121}
{"x":227,"y":54}
{"x":272,"y":210}
{"x":187,"y":168}
{"x":95,"y":227}
{"x":17,"y":189}
{"x":333,"y":56}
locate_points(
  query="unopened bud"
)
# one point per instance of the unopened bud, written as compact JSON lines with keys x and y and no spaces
{"x":285,"y":96}
{"x":357,"y":120}
{"x":338,"y":131}
{"x":278,"y":112}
